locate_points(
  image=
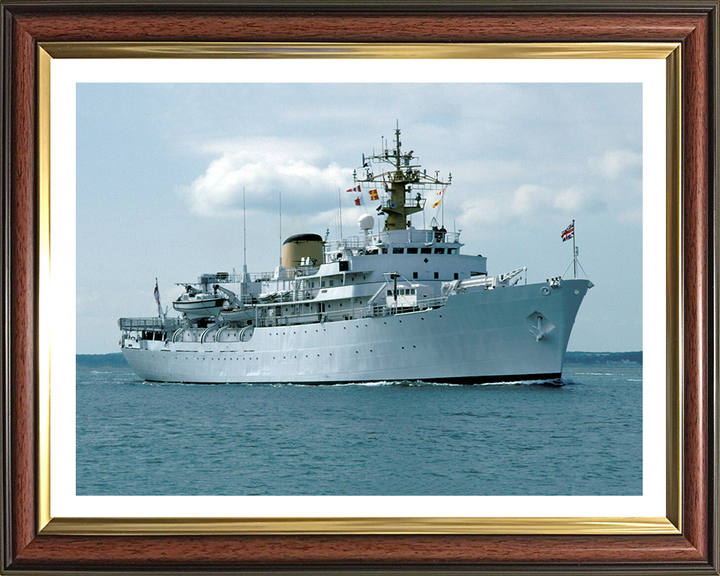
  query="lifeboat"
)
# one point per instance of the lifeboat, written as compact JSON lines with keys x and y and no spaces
{"x":201,"y":305}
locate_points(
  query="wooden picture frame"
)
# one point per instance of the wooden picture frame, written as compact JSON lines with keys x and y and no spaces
{"x":30,"y":545}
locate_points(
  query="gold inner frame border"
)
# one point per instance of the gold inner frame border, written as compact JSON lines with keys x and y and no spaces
{"x":671,"y":524}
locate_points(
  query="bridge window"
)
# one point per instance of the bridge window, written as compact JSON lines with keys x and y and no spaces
{"x":439,"y":250}
{"x":397,"y":250}
{"x":412,"y":250}
{"x":425,"y":251}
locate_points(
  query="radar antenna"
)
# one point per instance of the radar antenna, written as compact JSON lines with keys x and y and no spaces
{"x":399,"y":179}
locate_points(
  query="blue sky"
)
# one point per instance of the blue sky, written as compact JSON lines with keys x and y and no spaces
{"x":161,"y":169}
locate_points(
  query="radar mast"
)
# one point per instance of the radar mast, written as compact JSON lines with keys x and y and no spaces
{"x":402,"y":181}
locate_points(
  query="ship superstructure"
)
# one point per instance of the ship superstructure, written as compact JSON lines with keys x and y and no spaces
{"x":398,"y":304}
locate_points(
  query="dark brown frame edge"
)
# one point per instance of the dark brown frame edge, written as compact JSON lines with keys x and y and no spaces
{"x":24,"y":24}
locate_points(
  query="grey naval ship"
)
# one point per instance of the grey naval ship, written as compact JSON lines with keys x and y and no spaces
{"x":402,"y":304}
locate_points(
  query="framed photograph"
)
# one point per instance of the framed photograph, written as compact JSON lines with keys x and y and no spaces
{"x":158,"y":160}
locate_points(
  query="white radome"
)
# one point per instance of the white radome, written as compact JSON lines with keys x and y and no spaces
{"x":366,"y":222}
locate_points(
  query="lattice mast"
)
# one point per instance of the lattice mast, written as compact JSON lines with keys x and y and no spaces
{"x":399,"y":181}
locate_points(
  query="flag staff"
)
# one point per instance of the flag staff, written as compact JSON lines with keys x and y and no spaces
{"x":442,"y":207}
{"x":567,"y":234}
{"x":156,"y":295}
{"x":244,"y":278}
{"x":280,"y":223}
{"x":574,"y":251}
{"x":340,"y":213}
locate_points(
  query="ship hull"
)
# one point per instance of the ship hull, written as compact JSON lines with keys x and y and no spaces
{"x":505,"y":334}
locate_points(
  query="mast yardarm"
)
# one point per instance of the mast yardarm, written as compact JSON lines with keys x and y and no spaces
{"x":402,"y":181}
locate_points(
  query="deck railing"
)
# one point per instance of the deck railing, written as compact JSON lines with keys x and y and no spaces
{"x":150,"y":324}
{"x":266,"y":318}
{"x":375,"y":310}
{"x":413,"y":236}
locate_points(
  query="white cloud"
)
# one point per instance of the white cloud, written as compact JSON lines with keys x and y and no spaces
{"x":530,"y":199}
{"x":615,"y":164}
{"x":632,"y":216}
{"x":266,"y":167}
{"x":481,"y":211}
{"x":87,"y":300}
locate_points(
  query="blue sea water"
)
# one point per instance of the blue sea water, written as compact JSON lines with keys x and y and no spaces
{"x":394,"y":438}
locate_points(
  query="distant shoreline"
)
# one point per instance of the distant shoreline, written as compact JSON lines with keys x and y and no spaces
{"x":117,"y":359}
{"x":604,"y":357}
